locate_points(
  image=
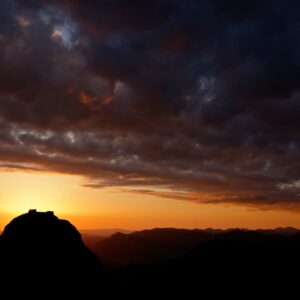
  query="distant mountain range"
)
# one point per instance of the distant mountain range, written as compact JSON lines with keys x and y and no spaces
{"x":105,"y":232}
{"x":163,"y":244}
{"x":237,"y":264}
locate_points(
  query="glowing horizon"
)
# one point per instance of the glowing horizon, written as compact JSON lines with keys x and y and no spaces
{"x":89,"y":208}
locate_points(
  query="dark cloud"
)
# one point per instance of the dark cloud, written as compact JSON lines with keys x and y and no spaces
{"x":191,"y":100}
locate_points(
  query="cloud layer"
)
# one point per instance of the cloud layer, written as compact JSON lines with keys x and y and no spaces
{"x":193,"y":100}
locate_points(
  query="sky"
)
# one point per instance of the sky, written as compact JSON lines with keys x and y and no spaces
{"x":138,"y":114}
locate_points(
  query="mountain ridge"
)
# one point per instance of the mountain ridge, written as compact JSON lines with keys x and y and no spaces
{"x":161,"y":244}
{"x":38,"y":248}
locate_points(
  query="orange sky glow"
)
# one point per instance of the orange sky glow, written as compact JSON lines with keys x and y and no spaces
{"x":113,"y":120}
{"x":89,"y":208}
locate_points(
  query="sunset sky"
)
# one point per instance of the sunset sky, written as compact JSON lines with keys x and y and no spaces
{"x":138,"y":114}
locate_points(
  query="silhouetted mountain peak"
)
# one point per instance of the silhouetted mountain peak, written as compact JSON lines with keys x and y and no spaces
{"x":40,"y":228}
{"x":148,"y":246}
{"x":286,"y":230}
{"x":40,"y":248}
{"x":240,"y":234}
{"x":119,"y":235}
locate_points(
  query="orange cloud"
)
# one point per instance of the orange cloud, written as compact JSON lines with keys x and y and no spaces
{"x":86,"y":99}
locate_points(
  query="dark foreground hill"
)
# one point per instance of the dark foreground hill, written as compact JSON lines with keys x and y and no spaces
{"x":206,"y":264}
{"x":41,"y":256}
{"x":238,"y":264}
{"x":164,"y":244}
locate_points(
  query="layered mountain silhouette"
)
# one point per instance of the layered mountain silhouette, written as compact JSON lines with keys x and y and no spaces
{"x":164,"y":244}
{"x":39,"y":252}
{"x":236,"y":263}
{"x":148,"y":246}
{"x":42,"y":257}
